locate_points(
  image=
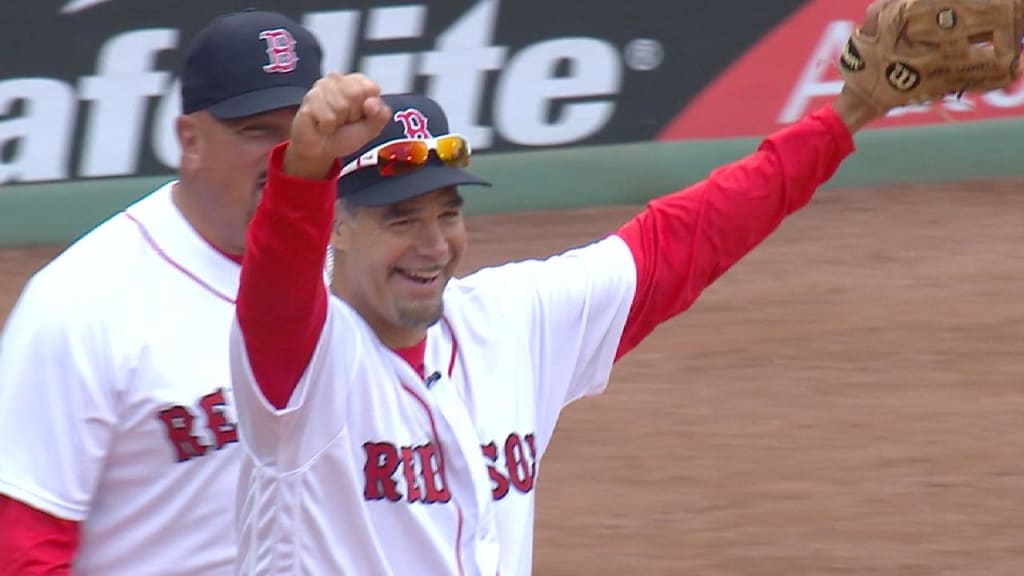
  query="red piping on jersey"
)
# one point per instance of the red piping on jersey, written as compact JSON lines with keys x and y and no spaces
{"x":160,"y":252}
{"x":455,"y":347}
{"x":444,"y":474}
{"x":458,"y":532}
{"x":414,"y":355}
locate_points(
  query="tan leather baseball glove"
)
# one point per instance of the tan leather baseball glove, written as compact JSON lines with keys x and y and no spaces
{"x":919,"y":51}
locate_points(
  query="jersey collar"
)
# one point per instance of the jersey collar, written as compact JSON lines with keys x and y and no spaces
{"x":172,"y":238}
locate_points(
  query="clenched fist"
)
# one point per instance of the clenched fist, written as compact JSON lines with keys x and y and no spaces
{"x":338,"y":116}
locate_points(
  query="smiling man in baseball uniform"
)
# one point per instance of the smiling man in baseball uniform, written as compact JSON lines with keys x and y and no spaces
{"x":398,"y":428}
{"x":117,"y":423}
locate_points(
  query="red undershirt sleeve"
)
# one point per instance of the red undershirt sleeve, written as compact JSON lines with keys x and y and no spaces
{"x":282,"y":297}
{"x":33,"y":542}
{"x":685,"y":241}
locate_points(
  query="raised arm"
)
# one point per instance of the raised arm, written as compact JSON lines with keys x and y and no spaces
{"x":282,"y":299}
{"x":686,"y":240}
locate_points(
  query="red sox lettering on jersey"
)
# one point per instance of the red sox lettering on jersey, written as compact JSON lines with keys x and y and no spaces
{"x":512,"y":464}
{"x":280,"y":51}
{"x":519,"y":456}
{"x":414,"y":123}
{"x":422,"y":472}
{"x":182,"y":428}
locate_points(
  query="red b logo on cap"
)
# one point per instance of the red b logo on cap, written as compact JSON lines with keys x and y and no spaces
{"x":414,"y":123}
{"x":280,"y":50}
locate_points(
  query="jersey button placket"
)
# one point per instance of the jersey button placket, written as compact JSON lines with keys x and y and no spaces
{"x":472,"y":478}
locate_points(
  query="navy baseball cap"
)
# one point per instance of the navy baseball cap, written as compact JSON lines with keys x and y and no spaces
{"x":247,"y":63}
{"x":412,"y":116}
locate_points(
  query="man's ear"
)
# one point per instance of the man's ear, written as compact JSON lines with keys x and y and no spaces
{"x":189,"y":140}
{"x":341,"y":234}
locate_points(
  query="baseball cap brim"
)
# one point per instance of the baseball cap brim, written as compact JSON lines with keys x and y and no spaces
{"x":393,"y":189}
{"x":258,"y":102}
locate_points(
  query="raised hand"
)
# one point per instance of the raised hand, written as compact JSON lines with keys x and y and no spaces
{"x":338,"y":116}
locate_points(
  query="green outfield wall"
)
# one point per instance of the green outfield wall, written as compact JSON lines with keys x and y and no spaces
{"x":576,"y":177}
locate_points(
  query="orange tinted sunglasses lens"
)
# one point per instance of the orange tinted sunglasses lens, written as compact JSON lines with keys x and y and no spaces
{"x":402,"y":157}
{"x":452,"y":150}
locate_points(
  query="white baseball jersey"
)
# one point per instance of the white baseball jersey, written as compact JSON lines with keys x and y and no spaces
{"x":115,"y":402}
{"x":371,"y":470}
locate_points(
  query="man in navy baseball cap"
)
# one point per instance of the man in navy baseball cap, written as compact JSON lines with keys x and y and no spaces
{"x":244,"y":76}
{"x":177,"y":250}
{"x":247,"y":63}
{"x":414,"y":154}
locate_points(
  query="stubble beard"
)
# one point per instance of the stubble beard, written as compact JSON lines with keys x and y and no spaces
{"x":417,"y":315}
{"x":420,"y":314}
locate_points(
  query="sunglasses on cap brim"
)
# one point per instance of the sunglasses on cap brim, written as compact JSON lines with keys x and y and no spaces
{"x":399,"y":157}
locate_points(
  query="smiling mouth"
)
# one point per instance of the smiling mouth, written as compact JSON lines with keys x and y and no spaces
{"x":420,"y":277}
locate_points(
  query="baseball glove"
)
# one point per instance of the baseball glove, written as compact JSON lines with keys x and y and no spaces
{"x":919,"y":51}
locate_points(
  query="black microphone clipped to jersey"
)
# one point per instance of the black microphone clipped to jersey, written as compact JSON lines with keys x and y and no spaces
{"x":432,"y":379}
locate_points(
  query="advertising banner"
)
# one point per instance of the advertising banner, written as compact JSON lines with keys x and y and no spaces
{"x":90,"y":88}
{"x":793,"y":69}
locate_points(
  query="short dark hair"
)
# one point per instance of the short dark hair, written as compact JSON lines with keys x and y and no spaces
{"x":347,"y":207}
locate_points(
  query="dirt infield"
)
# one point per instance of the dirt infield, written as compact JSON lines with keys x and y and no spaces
{"x":848,"y":400}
